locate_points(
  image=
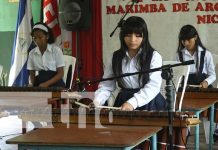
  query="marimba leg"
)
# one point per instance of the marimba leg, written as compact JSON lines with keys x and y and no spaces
{"x":179,"y":138}
{"x":24,"y":127}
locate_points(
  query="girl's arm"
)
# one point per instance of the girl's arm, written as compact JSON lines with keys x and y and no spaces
{"x":210,"y":67}
{"x":105,"y":88}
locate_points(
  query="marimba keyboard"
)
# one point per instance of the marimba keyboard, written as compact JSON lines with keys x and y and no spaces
{"x":26,"y":92}
{"x":112,"y":117}
{"x":30,"y":89}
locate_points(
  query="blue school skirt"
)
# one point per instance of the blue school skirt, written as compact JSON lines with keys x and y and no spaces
{"x":157,"y":104}
{"x":45,"y":76}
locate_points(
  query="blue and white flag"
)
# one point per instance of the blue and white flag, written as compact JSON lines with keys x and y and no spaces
{"x":22,"y":45}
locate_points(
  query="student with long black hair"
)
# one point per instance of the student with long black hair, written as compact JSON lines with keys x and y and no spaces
{"x":135,"y":54}
{"x":190,"y":47}
{"x":202,"y":72}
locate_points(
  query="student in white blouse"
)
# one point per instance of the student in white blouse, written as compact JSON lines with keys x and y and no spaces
{"x":45,"y":58}
{"x":202,"y":72}
{"x":135,"y":54}
{"x":191,"y":48}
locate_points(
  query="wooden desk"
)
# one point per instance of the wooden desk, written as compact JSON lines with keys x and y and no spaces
{"x":199,"y":102}
{"x":112,"y":137}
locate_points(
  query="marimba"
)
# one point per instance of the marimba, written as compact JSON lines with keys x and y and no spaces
{"x":51,"y":92}
{"x":30,"y":89}
{"x":142,"y":118}
{"x":113,"y":117}
{"x":199,"y":100}
{"x":197,"y":94}
{"x":119,"y":117}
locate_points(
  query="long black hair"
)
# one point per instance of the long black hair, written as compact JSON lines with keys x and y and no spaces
{"x":50,"y":35}
{"x":187,"y":32}
{"x":136,"y":25}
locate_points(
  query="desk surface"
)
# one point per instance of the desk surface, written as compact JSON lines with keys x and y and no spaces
{"x":194,"y":104}
{"x":112,"y":136}
{"x":196,"y":101}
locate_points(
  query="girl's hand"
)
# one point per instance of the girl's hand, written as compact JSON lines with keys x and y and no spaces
{"x":92,"y":106}
{"x":204,"y":84}
{"x":43,"y":85}
{"x":30,"y":85}
{"x":127,"y":107}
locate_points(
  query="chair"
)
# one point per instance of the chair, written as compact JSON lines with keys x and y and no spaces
{"x":179,"y":79}
{"x":178,"y":73}
{"x":69,"y":68}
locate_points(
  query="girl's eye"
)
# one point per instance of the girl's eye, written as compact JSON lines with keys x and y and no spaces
{"x":138,"y":35}
{"x":128,"y":35}
{"x":38,"y":37}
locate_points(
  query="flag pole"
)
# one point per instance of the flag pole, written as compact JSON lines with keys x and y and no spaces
{"x":41,"y":14}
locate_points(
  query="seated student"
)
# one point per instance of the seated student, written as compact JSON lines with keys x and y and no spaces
{"x":191,"y":48}
{"x":203,"y":71}
{"x":45,"y":58}
{"x":135,"y":54}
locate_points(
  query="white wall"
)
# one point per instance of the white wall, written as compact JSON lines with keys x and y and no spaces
{"x":163,"y":26}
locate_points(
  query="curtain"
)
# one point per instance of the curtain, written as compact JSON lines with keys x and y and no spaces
{"x":87,"y":47}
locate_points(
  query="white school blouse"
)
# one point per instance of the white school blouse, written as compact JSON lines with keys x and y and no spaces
{"x":208,"y":68}
{"x":50,"y":60}
{"x":129,"y":65}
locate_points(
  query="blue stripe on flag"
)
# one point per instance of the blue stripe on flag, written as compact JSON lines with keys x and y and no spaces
{"x":21,"y":13}
{"x":22,"y":45}
{"x":22,"y":78}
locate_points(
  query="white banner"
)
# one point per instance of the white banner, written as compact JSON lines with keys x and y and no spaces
{"x":164,"y":19}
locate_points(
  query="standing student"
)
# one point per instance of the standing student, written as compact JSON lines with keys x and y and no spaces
{"x":191,"y":48}
{"x":46,"y":59}
{"x":134,"y":55}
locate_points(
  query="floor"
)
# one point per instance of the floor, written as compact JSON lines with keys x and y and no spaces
{"x":11,"y":127}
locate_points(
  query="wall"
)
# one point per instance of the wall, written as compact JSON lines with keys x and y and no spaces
{"x":164,"y":19}
{"x":8,"y":19}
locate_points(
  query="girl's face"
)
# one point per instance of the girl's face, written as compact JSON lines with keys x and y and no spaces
{"x":40,"y":39}
{"x":189,"y":44}
{"x":133,"y":41}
